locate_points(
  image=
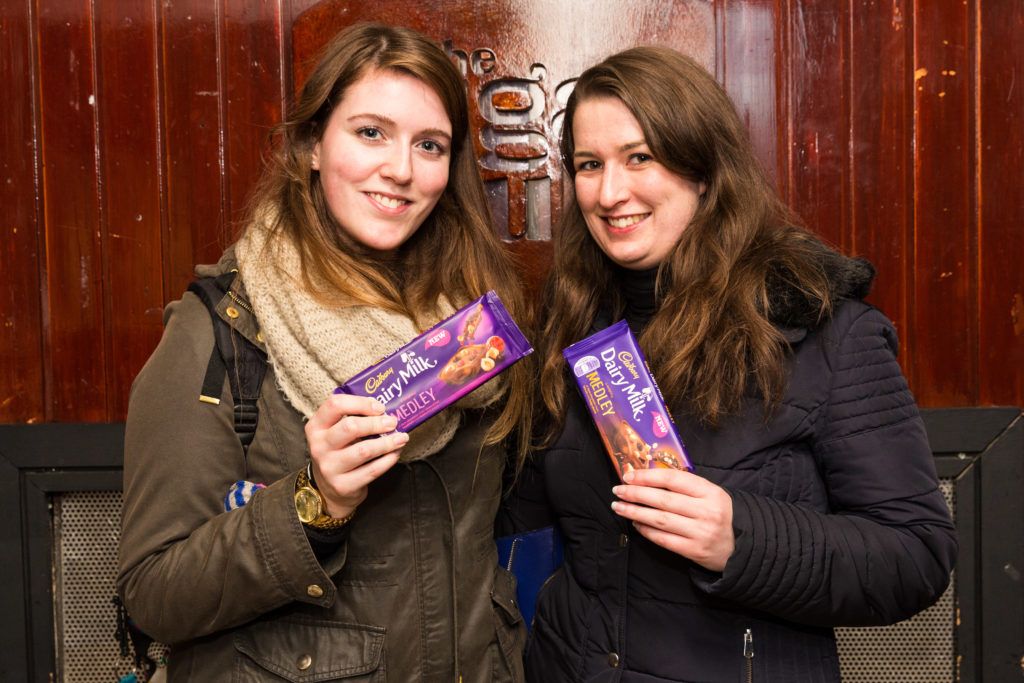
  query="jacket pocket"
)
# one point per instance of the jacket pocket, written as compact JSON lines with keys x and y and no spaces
{"x":509,"y":627}
{"x":305,"y":650}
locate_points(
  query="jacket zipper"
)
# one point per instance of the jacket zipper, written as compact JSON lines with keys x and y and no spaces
{"x":241,"y":302}
{"x":512,"y":554}
{"x":748,"y":654}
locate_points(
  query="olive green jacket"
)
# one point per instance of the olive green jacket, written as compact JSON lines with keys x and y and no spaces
{"x":413,"y":593}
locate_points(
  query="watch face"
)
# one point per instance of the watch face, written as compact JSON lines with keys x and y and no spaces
{"x":307,"y":504}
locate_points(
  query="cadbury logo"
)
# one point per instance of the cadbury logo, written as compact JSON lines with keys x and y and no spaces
{"x":374,"y":383}
{"x":626,"y":358}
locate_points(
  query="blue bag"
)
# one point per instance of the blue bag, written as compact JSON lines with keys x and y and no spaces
{"x":532,"y":557}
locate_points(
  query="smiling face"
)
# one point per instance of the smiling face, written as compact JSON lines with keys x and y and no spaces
{"x":383,"y":158}
{"x":635,"y":208}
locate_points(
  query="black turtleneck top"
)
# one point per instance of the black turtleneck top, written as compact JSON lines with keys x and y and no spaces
{"x":637,"y":288}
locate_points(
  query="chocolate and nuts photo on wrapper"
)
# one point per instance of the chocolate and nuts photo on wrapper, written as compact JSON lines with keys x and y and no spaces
{"x":437,"y":368}
{"x":625,"y":402}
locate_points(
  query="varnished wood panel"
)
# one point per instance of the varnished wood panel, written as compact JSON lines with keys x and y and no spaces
{"x":193,"y":87}
{"x":945,"y":311}
{"x":130,"y":188}
{"x":76,"y":345}
{"x":747,"y":50}
{"x":254,"y":96}
{"x":132,"y":134}
{"x":21,"y":328}
{"x":816,"y":102}
{"x":881,"y":35}
{"x":1001,"y":203}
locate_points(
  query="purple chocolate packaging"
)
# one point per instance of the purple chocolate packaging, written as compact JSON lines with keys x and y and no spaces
{"x":627,"y":406}
{"x":444,"y":363}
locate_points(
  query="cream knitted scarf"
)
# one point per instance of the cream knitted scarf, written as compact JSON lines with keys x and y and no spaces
{"x":314,"y":348}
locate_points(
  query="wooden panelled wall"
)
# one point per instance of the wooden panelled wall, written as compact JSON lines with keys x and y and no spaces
{"x":132,"y":131}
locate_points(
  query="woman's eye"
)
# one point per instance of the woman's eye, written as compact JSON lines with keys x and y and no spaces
{"x":587,"y":166}
{"x":369,"y":133}
{"x":640,"y":158}
{"x":432,"y":147}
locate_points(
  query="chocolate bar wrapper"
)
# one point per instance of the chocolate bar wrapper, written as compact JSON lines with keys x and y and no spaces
{"x":444,"y":363}
{"x":627,"y":406}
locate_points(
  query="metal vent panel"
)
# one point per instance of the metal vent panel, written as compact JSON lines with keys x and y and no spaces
{"x":918,"y":650}
{"x":87,"y":531}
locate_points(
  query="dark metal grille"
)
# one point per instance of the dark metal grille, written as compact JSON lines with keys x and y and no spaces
{"x":87,"y":529}
{"x":918,"y":650}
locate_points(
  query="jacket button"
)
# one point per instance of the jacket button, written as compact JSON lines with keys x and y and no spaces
{"x":259,"y":336}
{"x":623,"y":540}
{"x":314,"y":591}
{"x":305,"y":661}
{"x":232,"y":312}
{"x":613,"y":660}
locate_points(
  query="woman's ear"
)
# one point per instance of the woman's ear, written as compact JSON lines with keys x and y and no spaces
{"x":702,"y":187}
{"x":315,"y":157}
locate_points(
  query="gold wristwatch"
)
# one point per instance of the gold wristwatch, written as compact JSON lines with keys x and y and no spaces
{"x":310,"y":506}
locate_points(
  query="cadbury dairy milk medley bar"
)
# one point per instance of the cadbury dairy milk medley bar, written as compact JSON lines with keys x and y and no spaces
{"x":444,"y":363}
{"x":625,"y":402}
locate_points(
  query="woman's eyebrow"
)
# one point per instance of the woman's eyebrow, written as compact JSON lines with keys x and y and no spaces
{"x":386,"y":121}
{"x":622,"y":148}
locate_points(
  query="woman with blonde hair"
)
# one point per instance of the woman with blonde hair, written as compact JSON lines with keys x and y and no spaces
{"x":813,"y":502}
{"x":368,"y":226}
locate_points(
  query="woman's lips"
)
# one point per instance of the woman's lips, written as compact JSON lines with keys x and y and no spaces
{"x":625,"y":223}
{"x":388,"y":201}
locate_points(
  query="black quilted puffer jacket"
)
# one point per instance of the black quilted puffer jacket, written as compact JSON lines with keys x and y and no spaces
{"x":837,"y":516}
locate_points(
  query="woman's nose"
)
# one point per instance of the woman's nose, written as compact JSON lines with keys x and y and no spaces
{"x":614,"y":189}
{"x":397,"y":165}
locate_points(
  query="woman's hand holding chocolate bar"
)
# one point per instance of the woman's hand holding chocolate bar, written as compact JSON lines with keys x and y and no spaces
{"x":344,"y":459}
{"x":679,"y":511}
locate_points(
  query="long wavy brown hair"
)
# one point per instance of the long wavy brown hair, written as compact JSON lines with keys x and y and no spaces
{"x":455,"y":252}
{"x":712,"y":339}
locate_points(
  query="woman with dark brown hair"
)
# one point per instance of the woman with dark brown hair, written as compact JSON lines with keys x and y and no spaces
{"x":813,"y":502}
{"x":326,"y":545}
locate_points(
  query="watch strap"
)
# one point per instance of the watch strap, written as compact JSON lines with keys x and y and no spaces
{"x":309,"y":505}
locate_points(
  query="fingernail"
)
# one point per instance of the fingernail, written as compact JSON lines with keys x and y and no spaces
{"x":628,"y":476}
{"x":616,"y":505}
{"x":617,"y":490}
{"x":378,"y":407}
{"x":401,"y":438}
{"x":389,"y":422}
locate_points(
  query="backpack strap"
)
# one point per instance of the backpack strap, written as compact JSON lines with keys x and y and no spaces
{"x":233,"y":355}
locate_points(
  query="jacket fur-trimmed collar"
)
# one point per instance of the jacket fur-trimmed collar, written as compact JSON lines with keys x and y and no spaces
{"x":793,"y":309}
